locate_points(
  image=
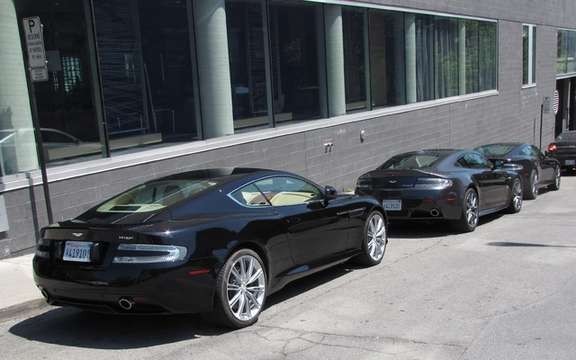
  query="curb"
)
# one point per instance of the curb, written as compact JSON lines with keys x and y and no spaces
{"x":20,"y":309}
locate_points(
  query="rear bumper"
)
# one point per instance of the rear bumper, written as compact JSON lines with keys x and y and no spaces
{"x":152,"y":290}
{"x":567,"y":161}
{"x":423,"y":204}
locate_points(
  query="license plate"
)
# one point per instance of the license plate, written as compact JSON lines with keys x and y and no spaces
{"x":77,"y":251}
{"x":392,"y":205}
{"x":570,"y":162}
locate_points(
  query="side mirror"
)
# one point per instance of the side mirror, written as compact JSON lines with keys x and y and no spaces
{"x":330,"y":192}
{"x":512,"y":167}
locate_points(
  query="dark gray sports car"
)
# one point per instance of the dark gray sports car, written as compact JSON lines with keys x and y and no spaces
{"x":455,"y":185}
{"x":538,"y":170}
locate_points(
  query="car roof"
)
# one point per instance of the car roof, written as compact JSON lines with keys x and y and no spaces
{"x":503,"y":144}
{"x":222,"y":175}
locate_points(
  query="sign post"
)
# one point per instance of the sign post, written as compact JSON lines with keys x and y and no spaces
{"x":37,"y":65}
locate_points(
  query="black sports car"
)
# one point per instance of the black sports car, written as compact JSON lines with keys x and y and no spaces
{"x":456,"y":185}
{"x":564,"y":150}
{"x":538,"y":170}
{"x":213,"y":241}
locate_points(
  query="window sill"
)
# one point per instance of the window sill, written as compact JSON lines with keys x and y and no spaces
{"x":91,"y":167}
{"x":529,"y":86}
{"x":565,"y":75}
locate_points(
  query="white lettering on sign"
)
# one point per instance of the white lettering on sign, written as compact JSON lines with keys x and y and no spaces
{"x":556,"y":102}
{"x":34,"y":35}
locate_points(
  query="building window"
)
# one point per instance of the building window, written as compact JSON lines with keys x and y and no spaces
{"x":65,"y":103}
{"x":296,"y":38}
{"x":248,"y":55}
{"x":387,"y":60}
{"x":425,"y":58}
{"x":566,"y":63}
{"x":355,"y":59}
{"x":488,"y":56}
{"x":146,"y":69}
{"x":528,"y":54}
{"x":446,"y":56}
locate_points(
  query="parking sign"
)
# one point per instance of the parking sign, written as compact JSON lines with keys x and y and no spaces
{"x":35,"y":46}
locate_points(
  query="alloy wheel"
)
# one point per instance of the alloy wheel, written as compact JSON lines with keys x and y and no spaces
{"x":246,"y":288}
{"x":535,"y":184}
{"x":557,"y":178}
{"x":472,"y":210}
{"x":376,"y":237}
{"x":517,"y":195}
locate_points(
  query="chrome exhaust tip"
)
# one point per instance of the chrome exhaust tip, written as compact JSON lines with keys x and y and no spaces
{"x":45,"y":294}
{"x":126,"y":304}
{"x":434,"y":212}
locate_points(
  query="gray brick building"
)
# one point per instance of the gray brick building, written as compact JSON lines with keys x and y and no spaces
{"x":328,"y":89}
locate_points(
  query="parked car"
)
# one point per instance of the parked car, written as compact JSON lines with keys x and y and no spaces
{"x":213,"y":241}
{"x":538,"y":170}
{"x":564,"y":150}
{"x":455,"y":185}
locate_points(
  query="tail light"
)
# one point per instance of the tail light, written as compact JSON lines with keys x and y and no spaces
{"x":433,"y":184}
{"x":552,"y":148}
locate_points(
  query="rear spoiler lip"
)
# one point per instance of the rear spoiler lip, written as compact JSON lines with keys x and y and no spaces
{"x":429,"y":173}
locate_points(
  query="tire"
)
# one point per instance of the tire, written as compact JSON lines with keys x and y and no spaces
{"x":515,"y":198}
{"x":555,"y":186}
{"x":532,"y":191}
{"x":375,"y":240}
{"x":470,"y":212}
{"x":233,"y":290}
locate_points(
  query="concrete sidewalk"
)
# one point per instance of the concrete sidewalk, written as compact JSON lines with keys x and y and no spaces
{"x":17,"y":289}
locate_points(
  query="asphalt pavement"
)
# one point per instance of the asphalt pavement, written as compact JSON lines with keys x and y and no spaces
{"x":505,"y":291}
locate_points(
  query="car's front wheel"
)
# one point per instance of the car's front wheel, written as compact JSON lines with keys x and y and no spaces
{"x":375,"y":239}
{"x":516,"y":197}
{"x":240,"y":290}
{"x":555,"y":186}
{"x":533,"y":186}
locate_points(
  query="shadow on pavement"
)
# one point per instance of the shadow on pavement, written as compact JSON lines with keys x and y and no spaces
{"x":72,"y":327}
{"x":520,"y":244}
{"x":430,"y":229}
{"x":310,"y":282}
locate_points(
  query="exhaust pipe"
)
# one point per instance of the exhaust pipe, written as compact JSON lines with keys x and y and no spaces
{"x":45,"y":295}
{"x":126,"y":304}
{"x":434,"y":213}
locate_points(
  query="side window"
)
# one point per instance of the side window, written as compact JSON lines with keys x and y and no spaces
{"x":286,"y":191}
{"x":526,"y":151}
{"x":250,"y":196}
{"x":536,"y":152}
{"x":474,"y":161}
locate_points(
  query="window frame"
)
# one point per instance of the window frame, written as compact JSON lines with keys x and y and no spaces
{"x":532,"y":56}
{"x":254,"y":182}
{"x":461,"y":158}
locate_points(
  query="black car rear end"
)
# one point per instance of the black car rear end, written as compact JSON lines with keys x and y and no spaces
{"x":412,"y":194}
{"x":564,"y":150}
{"x":120,"y":272}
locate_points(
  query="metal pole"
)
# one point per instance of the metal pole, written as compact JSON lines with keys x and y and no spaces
{"x":541,"y":123}
{"x":40,"y":151}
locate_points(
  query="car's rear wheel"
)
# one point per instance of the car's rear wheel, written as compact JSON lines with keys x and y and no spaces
{"x":470,"y":212}
{"x":516,"y":197}
{"x":375,"y":239}
{"x":557,"y":179}
{"x":240,"y":290}
{"x":533,"y":186}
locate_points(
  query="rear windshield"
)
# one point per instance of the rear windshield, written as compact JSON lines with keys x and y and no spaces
{"x":567,"y":136}
{"x":495,"y":150}
{"x":411,"y":161}
{"x":155,"y":195}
